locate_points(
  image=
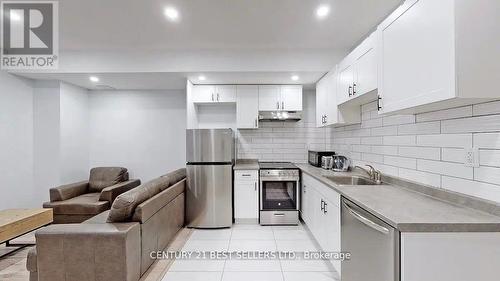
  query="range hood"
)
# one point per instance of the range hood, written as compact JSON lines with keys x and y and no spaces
{"x":289,"y":116}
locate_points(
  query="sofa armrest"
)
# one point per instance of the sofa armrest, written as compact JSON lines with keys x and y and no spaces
{"x":68,"y":191}
{"x":111,"y":192}
{"x":85,"y":252}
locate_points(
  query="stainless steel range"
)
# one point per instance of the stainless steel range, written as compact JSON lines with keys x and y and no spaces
{"x":279,"y":193}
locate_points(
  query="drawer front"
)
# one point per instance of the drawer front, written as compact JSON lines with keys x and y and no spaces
{"x":246,"y":175}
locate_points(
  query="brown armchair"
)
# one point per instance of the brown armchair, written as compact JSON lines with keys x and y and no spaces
{"x":77,"y":202}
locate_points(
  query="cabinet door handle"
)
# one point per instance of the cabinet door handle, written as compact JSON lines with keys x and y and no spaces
{"x":278,"y":105}
{"x":350,"y":91}
{"x":322,"y":205}
{"x":255,"y":184}
{"x":282,"y":105}
{"x":378,"y":103}
{"x":245,"y":175}
{"x":326,"y":119}
{"x":354,"y":89}
{"x":217,"y":96}
{"x":256,"y":123}
{"x":212,"y":96}
{"x":304,"y":189}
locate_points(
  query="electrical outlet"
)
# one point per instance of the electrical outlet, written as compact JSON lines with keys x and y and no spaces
{"x":471,"y":157}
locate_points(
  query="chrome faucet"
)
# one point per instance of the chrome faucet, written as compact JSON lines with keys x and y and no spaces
{"x":373,"y":173}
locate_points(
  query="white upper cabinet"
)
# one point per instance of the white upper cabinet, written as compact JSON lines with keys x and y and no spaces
{"x":277,"y":98}
{"x":291,"y":97}
{"x":327,"y":110}
{"x":214,"y":93}
{"x":203,"y":93}
{"x":269,"y":97}
{"x":366,"y":72}
{"x":345,"y":83}
{"x":247,"y":107}
{"x":321,"y":105}
{"x":438,"y":54}
{"x":358,"y":73}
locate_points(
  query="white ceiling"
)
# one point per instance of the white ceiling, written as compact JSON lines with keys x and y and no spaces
{"x":209,"y":24}
{"x":130,"y":44}
{"x":175,"y":80}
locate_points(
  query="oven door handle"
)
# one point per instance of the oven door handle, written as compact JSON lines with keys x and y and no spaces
{"x":279,"y":214}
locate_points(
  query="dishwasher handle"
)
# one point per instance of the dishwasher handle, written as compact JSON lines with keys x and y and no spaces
{"x":366,"y":220}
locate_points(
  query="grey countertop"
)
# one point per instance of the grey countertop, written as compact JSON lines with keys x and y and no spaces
{"x":408,"y":210}
{"x":246,"y":164}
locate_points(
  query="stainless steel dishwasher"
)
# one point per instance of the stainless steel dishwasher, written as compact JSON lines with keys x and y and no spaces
{"x":373,"y":244}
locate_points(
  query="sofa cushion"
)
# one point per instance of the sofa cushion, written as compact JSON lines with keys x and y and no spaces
{"x":100,"y":218}
{"x":124,"y":205}
{"x":174,"y":177}
{"x":102,"y":177}
{"x":86,"y":204}
{"x":148,"y":208}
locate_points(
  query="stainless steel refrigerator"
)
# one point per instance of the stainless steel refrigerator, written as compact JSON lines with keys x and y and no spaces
{"x":210,"y":159}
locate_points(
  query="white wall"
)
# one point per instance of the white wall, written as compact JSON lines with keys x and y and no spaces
{"x":430,"y":147}
{"x":74,"y":133}
{"x":143,"y":131}
{"x":16,"y":142}
{"x":46,"y":138}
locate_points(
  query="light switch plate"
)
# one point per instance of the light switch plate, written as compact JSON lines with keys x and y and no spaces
{"x":471,"y":157}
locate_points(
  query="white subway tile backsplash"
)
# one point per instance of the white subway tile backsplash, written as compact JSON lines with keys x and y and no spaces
{"x":361,"y":148}
{"x":385,"y":131}
{"x":420,"y":177}
{"x":456,"y":155}
{"x":452,"y":113}
{"x":445,"y":168}
{"x":372,"y":123}
{"x":399,"y":140}
{"x":373,"y":140}
{"x":409,"y":163}
{"x":489,"y":158}
{"x":487,"y":174}
{"x":429,"y":147}
{"x":385,"y":150}
{"x":487,"y":140}
{"x":420,"y":128}
{"x":398,"y":119}
{"x":445,"y":140}
{"x":375,"y":158}
{"x":489,"y":123}
{"x":486,"y":108}
{"x":430,"y":153}
{"x":482,"y":190}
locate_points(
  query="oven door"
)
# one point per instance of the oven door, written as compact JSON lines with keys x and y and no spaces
{"x":278,"y":195}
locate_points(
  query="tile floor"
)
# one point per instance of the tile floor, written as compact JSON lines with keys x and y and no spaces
{"x":251,"y":238}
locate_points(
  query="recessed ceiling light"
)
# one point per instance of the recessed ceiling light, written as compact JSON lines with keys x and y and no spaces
{"x":171,"y":13}
{"x":295,"y":77}
{"x":202,"y":78}
{"x":322,"y":11}
{"x":94,"y":79}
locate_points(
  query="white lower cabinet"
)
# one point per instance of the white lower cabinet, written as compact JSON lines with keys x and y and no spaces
{"x":320,"y":211}
{"x":246,"y":195}
{"x":450,"y":256}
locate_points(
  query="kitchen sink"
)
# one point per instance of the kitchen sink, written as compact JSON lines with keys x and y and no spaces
{"x":351,"y":180}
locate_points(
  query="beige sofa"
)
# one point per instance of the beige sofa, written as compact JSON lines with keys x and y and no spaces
{"x":77,"y":202}
{"x":114,"y":245}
